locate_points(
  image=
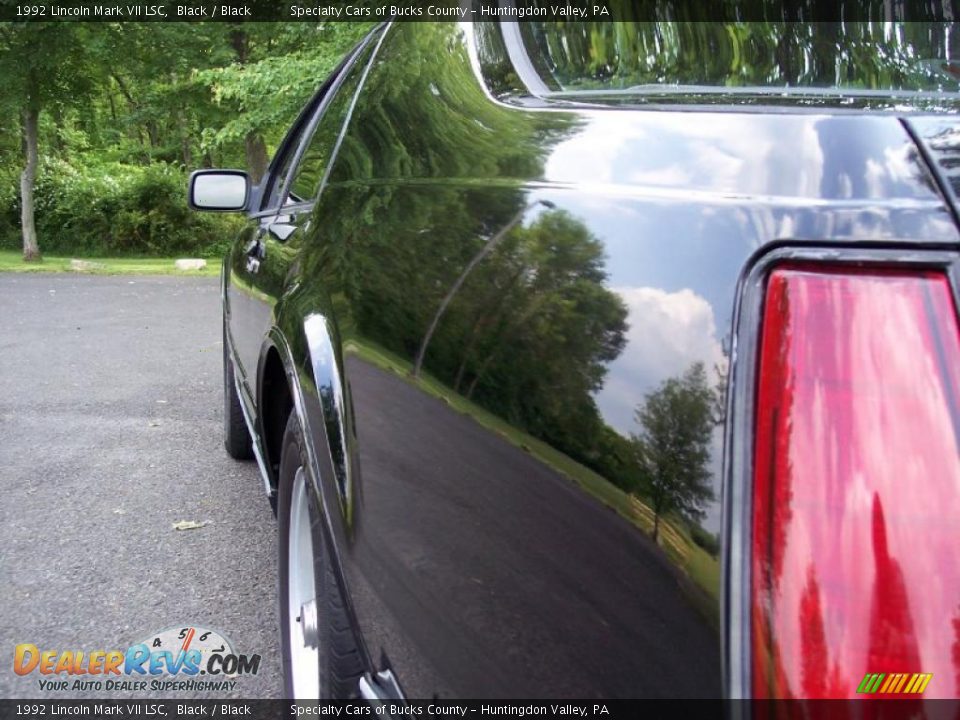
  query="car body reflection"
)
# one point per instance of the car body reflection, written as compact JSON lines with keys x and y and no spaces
{"x":491,"y":295}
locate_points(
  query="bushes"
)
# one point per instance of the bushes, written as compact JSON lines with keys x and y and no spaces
{"x":10,"y":205}
{"x":105,"y":208}
{"x":706,"y":540}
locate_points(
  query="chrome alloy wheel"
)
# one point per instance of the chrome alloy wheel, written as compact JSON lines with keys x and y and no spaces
{"x":301,"y":595}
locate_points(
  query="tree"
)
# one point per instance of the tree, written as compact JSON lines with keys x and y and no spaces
{"x":43,"y":65}
{"x":516,"y":315}
{"x":458,"y":283}
{"x":157,"y":109}
{"x":673,"y":446}
{"x":275,"y":69}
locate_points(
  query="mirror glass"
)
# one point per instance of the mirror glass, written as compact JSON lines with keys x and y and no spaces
{"x":219,"y":191}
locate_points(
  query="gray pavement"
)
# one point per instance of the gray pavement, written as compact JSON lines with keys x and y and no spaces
{"x":110,"y":431}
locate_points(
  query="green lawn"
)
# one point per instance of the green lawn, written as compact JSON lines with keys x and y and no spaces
{"x":701,"y":567}
{"x":12,"y":261}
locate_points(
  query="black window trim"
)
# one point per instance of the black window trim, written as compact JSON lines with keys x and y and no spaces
{"x":321,"y":110}
{"x":302,"y":132}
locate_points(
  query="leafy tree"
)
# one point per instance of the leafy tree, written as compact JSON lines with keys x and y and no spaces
{"x":527,"y":330}
{"x":274,"y":70}
{"x":44,"y":66}
{"x":673,"y":446}
{"x":103,"y":111}
{"x":151,"y":107}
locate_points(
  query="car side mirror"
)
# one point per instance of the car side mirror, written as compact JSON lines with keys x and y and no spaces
{"x":218,"y":190}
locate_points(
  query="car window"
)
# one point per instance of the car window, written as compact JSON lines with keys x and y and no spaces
{"x":279,"y":178}
{"x":306,"y":179}
{"x":288,"y":149}
{"x":287,"y":152}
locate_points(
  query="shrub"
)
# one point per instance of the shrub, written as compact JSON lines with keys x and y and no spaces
{"x":706,"y":540}
{"x":108,"y":208}
{"x":9,"y":207}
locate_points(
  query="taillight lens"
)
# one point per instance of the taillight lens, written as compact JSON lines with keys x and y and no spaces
{"x":856,"y":497}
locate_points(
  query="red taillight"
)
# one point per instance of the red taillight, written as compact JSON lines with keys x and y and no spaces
{"x":856,"y":496}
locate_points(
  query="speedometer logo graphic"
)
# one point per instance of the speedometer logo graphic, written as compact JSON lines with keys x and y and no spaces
{"x":183,"y":638}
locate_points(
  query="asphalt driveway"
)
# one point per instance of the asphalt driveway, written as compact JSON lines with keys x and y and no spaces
{"x":110,"y":432}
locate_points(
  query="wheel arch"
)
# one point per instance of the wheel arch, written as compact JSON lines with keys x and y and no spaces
{"x":274,"y":402}
{"x":302,"y":368}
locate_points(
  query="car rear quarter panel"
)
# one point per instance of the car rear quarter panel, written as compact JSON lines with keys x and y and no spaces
{"x":573,"y":264}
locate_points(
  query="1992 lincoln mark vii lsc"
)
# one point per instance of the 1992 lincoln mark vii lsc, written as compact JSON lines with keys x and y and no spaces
{"x":517,"y":305}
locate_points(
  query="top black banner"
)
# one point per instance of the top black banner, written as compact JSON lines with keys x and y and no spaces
{"x":592,"y":709}
{"x":479,"y":10}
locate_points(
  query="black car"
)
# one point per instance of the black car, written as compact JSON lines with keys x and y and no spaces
{"x":518,"y":305}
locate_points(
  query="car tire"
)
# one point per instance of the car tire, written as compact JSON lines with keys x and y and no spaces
{"x":236,"y":436}
{"x":333,"y":668}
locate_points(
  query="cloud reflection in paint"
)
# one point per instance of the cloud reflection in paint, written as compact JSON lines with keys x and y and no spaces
{"x":668,"y":332}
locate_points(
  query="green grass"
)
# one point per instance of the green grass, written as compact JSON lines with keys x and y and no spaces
{"x":12,"y":261}
{"x":705,"y":570}
{"x":700,"y":566}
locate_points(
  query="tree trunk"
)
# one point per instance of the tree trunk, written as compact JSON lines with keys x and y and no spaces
{"x":185,"y":150}
{"x":153,"y":134}
{"x":257,"y":159}
{"x":134,"y":107}
{"x":58,"y":123}
{"x":487,"y":312}
{"x":240,"y":42}
{"x":31,"y":117}
{"x":254,"y":145}
{"x":482,"y":370}
{"x":462,"y":369}
{"x":656,"y":527}
{"x":504,"y":337}
{"x":472,"y":336}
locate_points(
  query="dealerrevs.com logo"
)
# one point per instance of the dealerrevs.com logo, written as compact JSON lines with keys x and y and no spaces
{"x":170,"y":660}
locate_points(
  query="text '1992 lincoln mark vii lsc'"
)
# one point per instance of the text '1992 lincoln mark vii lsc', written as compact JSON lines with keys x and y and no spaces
{"x":609,"y":360}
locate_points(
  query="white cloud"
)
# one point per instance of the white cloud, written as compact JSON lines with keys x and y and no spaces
{"x":669,"y":331}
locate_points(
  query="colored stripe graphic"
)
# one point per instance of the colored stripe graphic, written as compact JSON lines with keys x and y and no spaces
{"x":870,"y":682}
{"x":894,"y":683}
{"x":914,"y":682}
